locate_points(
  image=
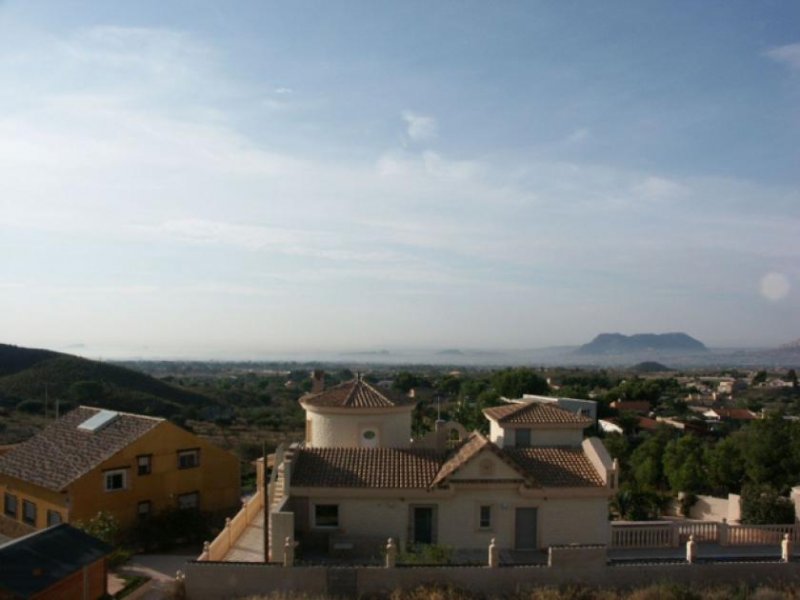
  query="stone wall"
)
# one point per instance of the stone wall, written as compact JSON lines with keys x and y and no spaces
{"x":567,"y":565}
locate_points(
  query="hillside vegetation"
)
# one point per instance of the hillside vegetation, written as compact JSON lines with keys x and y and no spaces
{"x":29,"y":376}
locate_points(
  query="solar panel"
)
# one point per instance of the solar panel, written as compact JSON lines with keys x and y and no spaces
{"x":98,"y":421}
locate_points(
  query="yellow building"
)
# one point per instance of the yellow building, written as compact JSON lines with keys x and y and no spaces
{"x":131,"y":466}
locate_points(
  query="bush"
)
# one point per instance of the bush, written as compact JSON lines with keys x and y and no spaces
{"x":762,"y":505}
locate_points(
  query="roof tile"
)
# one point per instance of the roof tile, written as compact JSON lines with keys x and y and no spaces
{"x":356,"y":394}
{"x":535,"y":413}
{"x":61,"y":453}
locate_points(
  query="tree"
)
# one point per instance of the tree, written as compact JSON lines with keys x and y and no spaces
{"x":763,"y":505}
{"x":513,"y":383}
{"x":791,"y":377}
{"x":725,"y":465}
{"x":104,"y":526}
{"x":646,"y":461}
{"x":759,"y":377}
{"x":683,"y":464}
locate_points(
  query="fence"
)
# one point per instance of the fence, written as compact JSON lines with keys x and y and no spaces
{"x":234,"y":528}
{"x":671,"y":534}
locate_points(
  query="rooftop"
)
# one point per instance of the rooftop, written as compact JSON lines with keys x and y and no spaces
{"x":33,"y":563}
{"x":63,"y":451}
{"x":356,"y":393}
{"x":423,"y":468}
{"x":535,"y":413}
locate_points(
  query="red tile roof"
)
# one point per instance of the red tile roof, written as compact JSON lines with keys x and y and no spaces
{"x":365,"y":467}
{"x":356,"y":394}
{"x":537,"y":413}
{"x":422,"y":468}
{"x":61,"y":453}
{"x":557,"y":467}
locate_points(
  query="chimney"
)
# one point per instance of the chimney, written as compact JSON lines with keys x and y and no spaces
{"x":317,"y":381}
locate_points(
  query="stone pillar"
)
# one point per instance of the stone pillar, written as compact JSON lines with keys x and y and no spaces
{"x":391,"y":554}
{"x":723,"y":532}
{"x":786,"y":548}
{"x":676,"y":534}
{"x":288,"y":552}
{"x":691,"y":550}
{"x":494,"y":554}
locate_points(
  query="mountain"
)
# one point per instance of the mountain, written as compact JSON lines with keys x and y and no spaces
{"x":650,"y":366}
{"x":654,"y":343}
{"x":28,"y":376}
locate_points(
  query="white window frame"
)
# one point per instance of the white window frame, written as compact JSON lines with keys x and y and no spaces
{"x":195,"y":506}
{"x":326,"y":504}
{"x":488,"y":526}
{"x":189,"y":452}
{"x":114,"y":473}
{"x":148,"y":464}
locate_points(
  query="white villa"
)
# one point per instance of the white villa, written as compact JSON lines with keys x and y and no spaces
{"x":359,"y":479}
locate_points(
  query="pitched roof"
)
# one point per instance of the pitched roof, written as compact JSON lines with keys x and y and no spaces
{"x":33,"y":563}
{"x":365,"y":467}
{"x":473,"y":445}
{"x":557,"y":467}
{"x":61,"y":453}
{"x":736,"y":414}
{"x":356,"y":394}
{"x":422,"y":468}
{"x":535,"y":413}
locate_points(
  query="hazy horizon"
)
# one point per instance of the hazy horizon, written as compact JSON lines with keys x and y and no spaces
{"x":182,"y":178}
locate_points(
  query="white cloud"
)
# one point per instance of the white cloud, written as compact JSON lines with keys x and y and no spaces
{"x":788,"y":55}
{"x":420,"y":128}
{"x":659,"y":188}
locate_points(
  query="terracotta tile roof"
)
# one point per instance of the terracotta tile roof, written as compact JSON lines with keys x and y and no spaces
{"x":557,"y":467}
{"x":61,"y":453}
{"x":422,"y":468}
{"x":635,"y":406}
{"x":736,"y":414}
{"x":473,"y":445}
{"x":535,"y":413}
{"x":365,"y":467}
{"x":356,"y":394}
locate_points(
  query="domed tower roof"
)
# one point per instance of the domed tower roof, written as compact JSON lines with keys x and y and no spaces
{"x":356,"y":394}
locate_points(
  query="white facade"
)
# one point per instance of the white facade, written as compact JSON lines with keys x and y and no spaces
{"x":358,"y":427}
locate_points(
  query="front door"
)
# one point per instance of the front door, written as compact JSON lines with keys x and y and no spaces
{"x":422,"y":524}
{"x":525,"y":529}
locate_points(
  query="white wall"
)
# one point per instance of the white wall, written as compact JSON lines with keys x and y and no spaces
{"x":344,"y":430}
{"x":561,"y":521}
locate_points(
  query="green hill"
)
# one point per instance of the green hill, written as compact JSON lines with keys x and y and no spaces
{"x":27,"y":375}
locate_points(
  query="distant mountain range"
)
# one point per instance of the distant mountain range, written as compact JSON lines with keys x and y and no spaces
{"x":663,"y":343}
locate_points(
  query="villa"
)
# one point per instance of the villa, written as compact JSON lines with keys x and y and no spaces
{"x":359,"y":478}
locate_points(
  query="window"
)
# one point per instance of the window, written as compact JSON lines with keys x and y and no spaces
{"x":189,"y":501}
{"x":522,"y":438}
{"x":143,"y":509}
{"x":326,"y":515}
{"x":189,"y":459}
{"x":115,"y":480}
{"x":10,"y":505}
{"x":54,"y":518}
{"x":29,"y":512}
{"x":144,"y":464}
{"x":485,"y":517}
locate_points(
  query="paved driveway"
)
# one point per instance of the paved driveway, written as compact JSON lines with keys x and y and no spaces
{"x":160,"y":568}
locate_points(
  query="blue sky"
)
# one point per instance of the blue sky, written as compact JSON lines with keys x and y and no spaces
{"x":208,"y":179}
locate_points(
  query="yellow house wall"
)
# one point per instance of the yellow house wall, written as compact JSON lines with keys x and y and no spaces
{"x":560,"y":521}
{"x":43,"y":498}
{"x":217,"y":479}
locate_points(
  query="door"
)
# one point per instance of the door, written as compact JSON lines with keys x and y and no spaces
{"x":525,"y":529}
{"x":422,"y":525}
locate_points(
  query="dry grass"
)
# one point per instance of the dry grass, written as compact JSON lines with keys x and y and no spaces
{"x":652,"y":592}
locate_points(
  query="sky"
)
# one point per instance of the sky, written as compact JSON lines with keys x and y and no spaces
{"x":207,"y":179}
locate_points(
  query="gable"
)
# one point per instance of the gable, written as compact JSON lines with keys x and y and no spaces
{"x":486,"y":465}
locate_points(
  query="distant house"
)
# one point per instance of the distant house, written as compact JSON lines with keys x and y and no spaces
{"x":634,"y":406}
{"x":583,"y":408}
{"x":60,"y":562}
{"x":730,"y":414}
{"x":129,"y":465}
